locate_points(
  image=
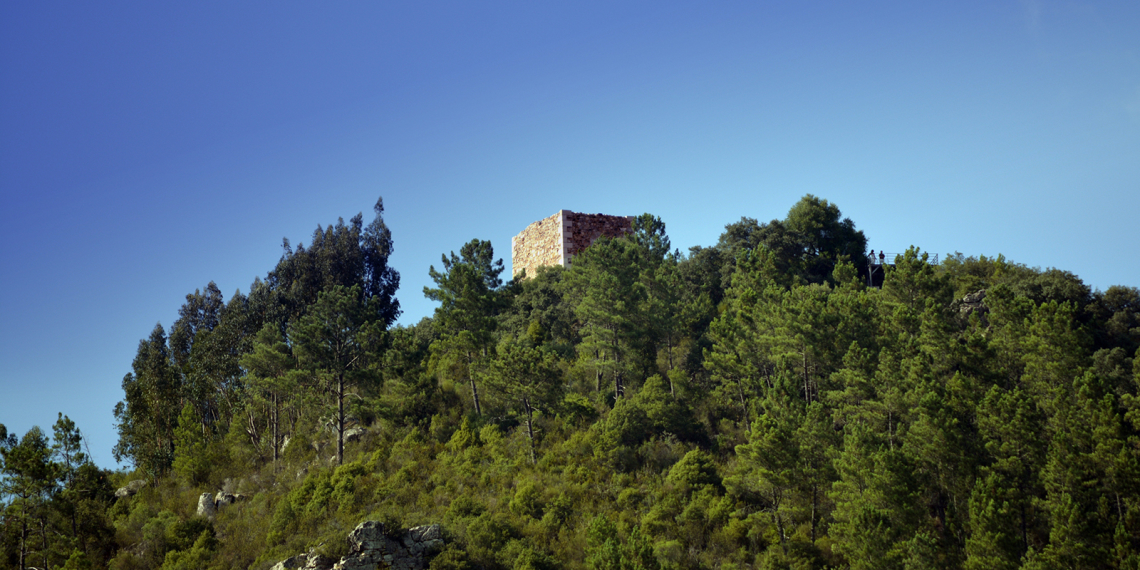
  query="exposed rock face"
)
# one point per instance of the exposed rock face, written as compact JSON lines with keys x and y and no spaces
{"x":130,"y":489}
{"x":310,"y":561}
{"x":228,"y":499}
{"x":206,"y":506}
{"x":353,"y":433}
{"x":973,"y":303}
{"x":371,"y":545}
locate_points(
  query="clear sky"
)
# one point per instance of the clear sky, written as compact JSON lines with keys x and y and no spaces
{"x":148,"y":148}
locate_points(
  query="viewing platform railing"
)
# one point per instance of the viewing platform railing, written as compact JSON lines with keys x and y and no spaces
{"x":875,"y":266}
{"x":889,"y":259}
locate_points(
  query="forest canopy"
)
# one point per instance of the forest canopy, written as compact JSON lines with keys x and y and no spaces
{"x":763,"y":402}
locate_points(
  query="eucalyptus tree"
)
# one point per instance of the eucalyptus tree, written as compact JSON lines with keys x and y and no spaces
{"x":271,"y":380}
{"x":148,"y":413}
{"x":340,"y":254}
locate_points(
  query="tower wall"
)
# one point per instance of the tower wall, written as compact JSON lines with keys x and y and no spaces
{"x":580,"y":230}
{"x":556,"y":239}
{"x":538,"y":245}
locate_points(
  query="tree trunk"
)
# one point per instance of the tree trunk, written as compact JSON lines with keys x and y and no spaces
{"x":530,"y":428}
{"x":814,"y":506}
{"x":474,"y":390}
{"x":44,"y":542}
{"x":744,"y":409}
{"x":598,"y":373}
{"x":24,"y":536}
{"x":475,"y":395}
{"x":276,"y":433}
{"x":340,"y":419}
{"x":807,"y":390}
{"x":780,"y":528}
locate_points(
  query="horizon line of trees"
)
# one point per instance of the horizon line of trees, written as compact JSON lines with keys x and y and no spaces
{"x":749,"y":404}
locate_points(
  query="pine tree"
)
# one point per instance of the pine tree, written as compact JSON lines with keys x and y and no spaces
{"x":468,"y":290}
{"x":336,"y":342}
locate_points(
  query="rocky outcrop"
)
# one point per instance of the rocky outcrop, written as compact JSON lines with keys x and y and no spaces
{"x":310,"y":561}
{"x":372,"y":545}
{"x":354,"y":433}
{"x":228,"y":499}
{"x":130,"y":489}
{"x":208,"y":504}
{"x":973,"y":303}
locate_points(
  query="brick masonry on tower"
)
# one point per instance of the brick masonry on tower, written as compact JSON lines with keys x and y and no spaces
{"x":555,"y":240}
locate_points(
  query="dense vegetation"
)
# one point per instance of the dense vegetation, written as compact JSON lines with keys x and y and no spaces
{"x":749,"y":405}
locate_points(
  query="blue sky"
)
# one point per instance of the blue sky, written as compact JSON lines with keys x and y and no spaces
{"x":148,"y":148}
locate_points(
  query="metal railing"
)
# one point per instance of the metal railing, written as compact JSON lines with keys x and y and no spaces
{"x":889,"y":259}
{"x":875,"y":264}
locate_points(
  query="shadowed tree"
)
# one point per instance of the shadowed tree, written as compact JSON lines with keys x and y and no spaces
{"x":336,"y":342}
{"x":528,"y":376}
{"x":149,"y":411}
{"x":30,"y":478}
{"x":468,"y":290}
{"x":271,"y":378}
{"x":340,"y":254}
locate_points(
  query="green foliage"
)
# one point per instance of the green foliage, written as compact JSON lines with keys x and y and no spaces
{"x":192,"y":451}
{"x":468,"y":290}
{"x":336,"y":342}
{"x":696,"y":469}
{"x":148,"y":413}
{"x":750,"y":405}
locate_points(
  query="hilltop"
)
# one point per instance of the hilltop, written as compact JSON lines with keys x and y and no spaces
{"x":750,"y":404}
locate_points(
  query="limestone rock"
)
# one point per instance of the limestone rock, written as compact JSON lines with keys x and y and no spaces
{"x":130,"y":489}
{"x":370,"y":535}
{"x":224,"y":499}
{"x":310,"y":561}
{"x":206,"y":506}
{"x":973,"y":303}
{"x":354,"y":433}
{"x":371,"y":544}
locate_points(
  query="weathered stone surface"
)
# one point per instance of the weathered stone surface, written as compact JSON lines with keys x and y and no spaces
{"x":973,"y":303}
{"x":370,"y":535}
{"x":206,"y":506}
{"x":354,"y":433}
{"x":224,"y":499}
{"x":557,"y":239}
{"x":371,"y":544}
{"x":130,"y":489}
{"x":581,"y":230}
{"x":310,"y":561}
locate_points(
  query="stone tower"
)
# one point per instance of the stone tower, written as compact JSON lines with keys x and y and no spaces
{"x":556,"y":239}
